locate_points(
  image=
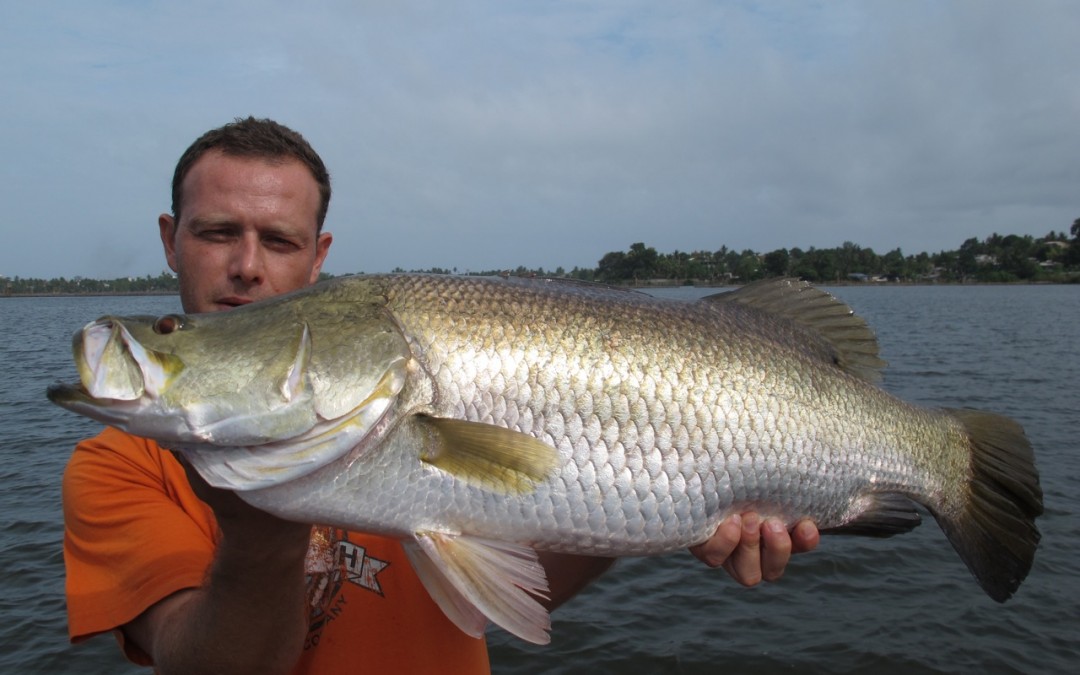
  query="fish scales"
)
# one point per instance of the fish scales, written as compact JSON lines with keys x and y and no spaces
{"x":627,"y":388}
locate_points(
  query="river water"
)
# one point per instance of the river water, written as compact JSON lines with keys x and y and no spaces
{"x":902,"y":605}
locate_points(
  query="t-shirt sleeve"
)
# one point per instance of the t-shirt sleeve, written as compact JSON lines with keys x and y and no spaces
{"x":134,"y":533}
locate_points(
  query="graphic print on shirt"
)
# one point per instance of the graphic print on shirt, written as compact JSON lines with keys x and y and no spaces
{"x":332,"y":561}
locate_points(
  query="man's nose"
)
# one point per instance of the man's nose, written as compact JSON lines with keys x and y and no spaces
{"x":247,"y":260}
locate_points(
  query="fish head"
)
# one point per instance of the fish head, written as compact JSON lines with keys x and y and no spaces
{"x":290,"y":384}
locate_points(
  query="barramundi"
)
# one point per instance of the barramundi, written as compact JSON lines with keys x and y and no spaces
{"x":480,"y":420}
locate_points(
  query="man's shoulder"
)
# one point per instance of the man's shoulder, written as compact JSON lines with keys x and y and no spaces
{"x":119,"y":445}
{"x":114,"y":450}
{"x":115,"y":439}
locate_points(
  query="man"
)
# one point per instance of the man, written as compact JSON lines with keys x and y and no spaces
{"x":192,"y":579}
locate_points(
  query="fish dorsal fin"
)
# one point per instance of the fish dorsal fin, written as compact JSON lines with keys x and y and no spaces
{"x":849,"y":340}
{"x":475,"y":580}
{"x":494,"y":458}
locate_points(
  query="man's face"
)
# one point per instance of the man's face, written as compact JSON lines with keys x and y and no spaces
{"x":247,"y":232}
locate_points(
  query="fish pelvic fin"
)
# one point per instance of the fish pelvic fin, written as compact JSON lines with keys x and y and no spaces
{"x":848,"y":340}
{"x":474,"y":580}
{"x":492,"y":457}
{"x":994,"y":529}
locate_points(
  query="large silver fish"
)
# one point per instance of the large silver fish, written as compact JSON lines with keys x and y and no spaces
{"x":479,"y":420}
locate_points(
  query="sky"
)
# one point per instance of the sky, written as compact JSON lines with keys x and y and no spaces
{"x":485,"y":134}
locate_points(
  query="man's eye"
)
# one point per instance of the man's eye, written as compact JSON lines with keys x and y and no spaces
{"x":280,"y":244}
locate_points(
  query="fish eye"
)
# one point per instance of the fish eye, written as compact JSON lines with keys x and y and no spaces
{"x":168,"y":324}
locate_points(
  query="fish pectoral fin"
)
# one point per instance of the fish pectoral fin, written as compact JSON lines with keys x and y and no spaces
{"x":495,"y":458}
{"x":880,"y":515}
{"x":850,"y":343}
{"x":474,"y":580}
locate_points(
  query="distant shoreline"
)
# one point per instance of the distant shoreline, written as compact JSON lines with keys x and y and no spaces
{"x":88,"y":294}
{"x":639,"y":286}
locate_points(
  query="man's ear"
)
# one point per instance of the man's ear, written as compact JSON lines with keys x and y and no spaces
{"x":167,"y":229}
{"x":322,"y":247}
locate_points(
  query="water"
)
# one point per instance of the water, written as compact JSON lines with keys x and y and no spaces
{"x":905,"y":605}
{"x":35,"y":350}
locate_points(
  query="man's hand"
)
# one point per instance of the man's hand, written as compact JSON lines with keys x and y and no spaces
{"x":243,"y":522}
{"x":248,"y":616}
{"x":753,"y":551}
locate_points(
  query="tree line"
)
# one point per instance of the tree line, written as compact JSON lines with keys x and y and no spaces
{"x":995,"y":259}
{"x":1054,"y":257}
{"x":163,"y":284}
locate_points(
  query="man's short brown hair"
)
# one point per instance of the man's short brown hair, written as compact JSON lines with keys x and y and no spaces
{"x":255,"y":138}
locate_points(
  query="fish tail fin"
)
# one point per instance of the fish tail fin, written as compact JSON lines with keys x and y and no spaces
{"x":993,"y":528}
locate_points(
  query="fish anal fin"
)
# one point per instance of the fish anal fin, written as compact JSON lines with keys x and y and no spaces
{"x":880,"y":515}
{"x":475,"y":579}
{"x":849,"y":341}
{"x":489,"y":456}
{"x":454,"y":605}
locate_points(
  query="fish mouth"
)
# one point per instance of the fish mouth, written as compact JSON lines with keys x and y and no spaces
{"x":115,"y":366}
{"x":118,"y":376}
{"x":77,"y":399}
{"x":71,"y":396}
{"x":65,"y":395}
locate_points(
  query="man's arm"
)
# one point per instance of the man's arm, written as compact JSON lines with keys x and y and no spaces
{"x":751,"y":550}
{"x":248,"y":615}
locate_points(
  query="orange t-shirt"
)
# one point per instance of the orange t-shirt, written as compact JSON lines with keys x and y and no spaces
{"x":135,"y":533}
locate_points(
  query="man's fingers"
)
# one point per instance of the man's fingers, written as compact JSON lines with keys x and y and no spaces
{"x":744,"y":564}
{"x":804,"y":536}
{"x":776,"y":547}
{"x":718,"y":548}
{"x":753,"y":551}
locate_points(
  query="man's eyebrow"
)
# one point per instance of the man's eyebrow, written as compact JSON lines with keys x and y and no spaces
{"x":227,"y":223}
{"x":213,"y":221}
